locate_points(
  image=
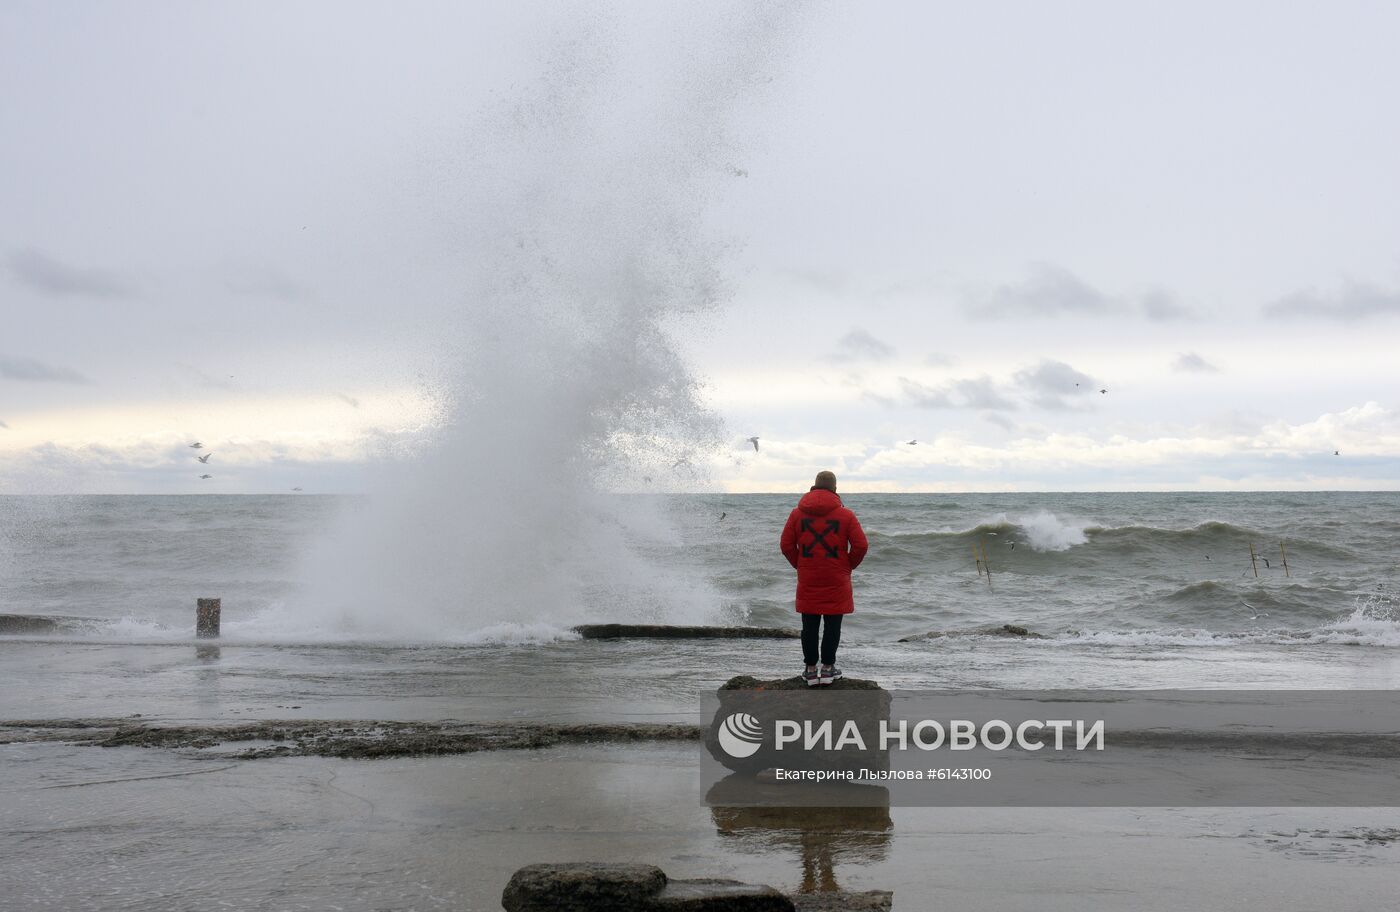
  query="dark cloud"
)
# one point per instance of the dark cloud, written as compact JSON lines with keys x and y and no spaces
{"x":923,"y":396}
{"x":1051,"y":291}
{"x":38,"y":371}
{"x":972,"y":393}
{"x":43,"y":273}
{"x":859,"y":345}
{"x":1191,"y":362}
{"x":981,"y":393}
{"x":1048,"y":291}
{"x":1049,"y":382}
{"x":1162,"y":307}
{"x":1354,"y":302}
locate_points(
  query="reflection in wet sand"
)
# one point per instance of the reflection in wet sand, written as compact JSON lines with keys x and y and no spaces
{"x":856,"y":829}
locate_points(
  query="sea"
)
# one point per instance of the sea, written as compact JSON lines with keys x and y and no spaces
{"x":1122,"y":590}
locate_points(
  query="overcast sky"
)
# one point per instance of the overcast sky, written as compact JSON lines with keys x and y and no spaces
{"x":950,"y":223}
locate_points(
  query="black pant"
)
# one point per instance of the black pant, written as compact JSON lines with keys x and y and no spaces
{"x":831,"y":637}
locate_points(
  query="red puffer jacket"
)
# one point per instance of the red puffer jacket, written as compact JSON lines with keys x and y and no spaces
{"x":825,"y":542}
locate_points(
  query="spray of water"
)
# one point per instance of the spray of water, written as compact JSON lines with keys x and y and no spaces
{"x":584,"y":227}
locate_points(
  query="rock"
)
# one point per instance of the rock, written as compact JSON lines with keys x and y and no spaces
{"x":30,"y":624}
{"x":718,"y":896}
{"x":868,"y":901}
{"x":1012,"y":631}
{"x":762,"y":703}
{"x":600,"y":887}
{"x":749,"y":682}
{"x":675,"y":632}
{"x":583,"y":886}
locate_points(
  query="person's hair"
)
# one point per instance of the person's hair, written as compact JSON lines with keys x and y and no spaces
{"x":826,"y":480}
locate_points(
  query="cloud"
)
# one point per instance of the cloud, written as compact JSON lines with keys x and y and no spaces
{"x":859,"y":345}
{"x":922,"y":396}
{"x":348,"y":400}
{"x":1161,"y":307}
{"x":939,"y":359}
{"x":43,"y":273}
{"x":999,"y":420}
{"x":4,"y":425}
{"x":981,"y":393}
{"x":971,"y":393}
{"x":1048,"y":291}
{"x":37,"y":371}
{"x":1190,"y":362}
{"x":1356,"y":301}
{"x":1050,"y":381}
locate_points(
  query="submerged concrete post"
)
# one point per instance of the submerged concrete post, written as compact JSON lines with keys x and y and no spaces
{"x":206,"y":617}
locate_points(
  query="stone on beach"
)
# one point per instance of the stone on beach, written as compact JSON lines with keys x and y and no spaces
{"x":582,"y":886}
{"x":767,"y":701}
{"x":604,"y":887}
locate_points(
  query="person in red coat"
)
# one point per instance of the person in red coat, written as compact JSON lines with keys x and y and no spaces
{"x":824,"y":542}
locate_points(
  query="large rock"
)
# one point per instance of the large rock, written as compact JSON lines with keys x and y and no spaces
{"x":598,"y":887}
{"x":678,"y":632}
{"x":759,"y":704}
{"x":718,"y":896}
{"x":582,"y":886}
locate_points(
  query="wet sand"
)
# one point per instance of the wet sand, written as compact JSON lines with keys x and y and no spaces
{"x":136,"y":828}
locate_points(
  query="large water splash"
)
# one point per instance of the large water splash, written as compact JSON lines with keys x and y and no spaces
{"x":583,"y":215}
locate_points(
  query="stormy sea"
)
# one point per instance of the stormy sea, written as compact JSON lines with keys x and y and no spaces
{"x":373,"y":751}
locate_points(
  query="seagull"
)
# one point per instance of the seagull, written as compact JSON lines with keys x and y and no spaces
{"x":754,"y":441}
{"x":1257,"y":613}
{"x":912,"y":442}
{"x":204,"y":458}
{"x":1103,"y":391}
{"x":196,"y":445}
{"x":1336,"y":452}
{"x":206,"y":476}
{"x":296,"y":489}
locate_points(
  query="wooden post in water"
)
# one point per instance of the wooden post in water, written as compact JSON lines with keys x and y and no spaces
{"x":977,"y":558}
{"x":1252,"y":562}
{"x":1285,"y":559}
{"x":986,"y":563}
{"x":206,"y":617}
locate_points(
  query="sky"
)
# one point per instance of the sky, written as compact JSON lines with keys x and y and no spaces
{"x":1074,"y":246}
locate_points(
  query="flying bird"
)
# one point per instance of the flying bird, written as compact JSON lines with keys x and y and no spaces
{"x":1336,"y":452}
{"x":754,"y":441}
{"x":1257,"y":613}
{"x":206,"y":476}
{"x":1103,"y":391}
{"x":912,"y":442}
{"x":205,"y":458}
{"x":723,"y":515}
{"x":296,"y":489}
{"x":196,"y":445}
